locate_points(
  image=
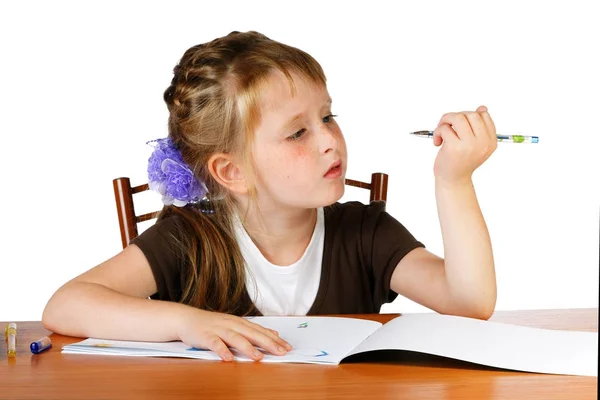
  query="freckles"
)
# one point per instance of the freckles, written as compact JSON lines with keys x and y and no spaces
{"x":291,"y":162}
{"x":303,"y":153}
{"x":300,"y":152}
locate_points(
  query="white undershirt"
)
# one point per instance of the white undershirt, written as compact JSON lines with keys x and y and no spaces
{"x":283,"y":290}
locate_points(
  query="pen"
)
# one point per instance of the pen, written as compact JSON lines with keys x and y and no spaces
{"x":11,"y":331}
{"x":501,"y":138}
{"x":40,"y":345}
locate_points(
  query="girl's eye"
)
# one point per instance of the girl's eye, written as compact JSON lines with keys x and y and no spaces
{"x":329,"y":117}
{"x":298,"y":135}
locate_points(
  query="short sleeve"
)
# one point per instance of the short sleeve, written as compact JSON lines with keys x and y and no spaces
{"x":158,"y":245}
{"x":385,"y":242}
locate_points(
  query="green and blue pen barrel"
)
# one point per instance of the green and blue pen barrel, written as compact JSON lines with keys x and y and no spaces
{"x":518,"y":139}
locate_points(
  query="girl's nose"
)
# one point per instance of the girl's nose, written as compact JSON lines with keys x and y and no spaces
{"x":328,"y":140}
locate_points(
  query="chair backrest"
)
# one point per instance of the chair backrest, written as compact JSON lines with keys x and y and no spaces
{"x":128,"y":220}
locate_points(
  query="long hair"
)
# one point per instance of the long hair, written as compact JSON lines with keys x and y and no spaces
{"x":214,"y":107}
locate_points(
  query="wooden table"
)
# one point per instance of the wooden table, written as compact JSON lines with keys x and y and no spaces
{"x":383,"y":375}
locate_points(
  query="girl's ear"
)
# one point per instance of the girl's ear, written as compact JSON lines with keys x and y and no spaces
{"x":226,"y":171}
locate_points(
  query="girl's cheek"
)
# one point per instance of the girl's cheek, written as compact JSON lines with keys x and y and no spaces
{"x":299,"y":152}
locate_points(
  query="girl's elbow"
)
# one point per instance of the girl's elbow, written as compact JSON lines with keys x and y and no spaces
{"x":476,"y":313}
{"x":480,"y":308}
{"x":485,"y":314}
{"x":48,"y":320}
{"x":484,"y":304}
{"x":485,"y":309}
{"x":54,"y":311}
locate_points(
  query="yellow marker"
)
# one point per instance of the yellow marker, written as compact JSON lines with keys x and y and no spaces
{"x":11,"y":331}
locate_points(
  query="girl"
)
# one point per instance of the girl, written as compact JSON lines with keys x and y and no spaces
{"x":251,"y":174}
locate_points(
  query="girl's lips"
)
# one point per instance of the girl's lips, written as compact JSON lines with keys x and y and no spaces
{"x":335,"y":171}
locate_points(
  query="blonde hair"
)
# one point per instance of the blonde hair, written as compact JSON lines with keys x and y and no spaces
{"x":214,"y":107}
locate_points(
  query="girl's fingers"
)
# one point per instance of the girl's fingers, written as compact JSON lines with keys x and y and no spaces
{"x":437,"y":137}
{"x":445,"y":133}
{"x":274,"y":335}
{"x":476,"y":122}
{"x":260,"y":327}
{"x":487,"y":121}
{"x":459,"y":123}
{"x":266,"y":340}
{"x":270,"y":333}
{"x":491,"y":127}
{"x":241,"y":343}
{"x":215,"y":344}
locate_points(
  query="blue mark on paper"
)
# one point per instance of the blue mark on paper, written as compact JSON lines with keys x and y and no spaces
{"x":196,"y":349}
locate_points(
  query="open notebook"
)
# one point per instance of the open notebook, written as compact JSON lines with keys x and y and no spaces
{"x":329,"y":340}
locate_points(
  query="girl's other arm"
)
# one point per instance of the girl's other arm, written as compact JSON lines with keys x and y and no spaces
{"x":110,"y":301}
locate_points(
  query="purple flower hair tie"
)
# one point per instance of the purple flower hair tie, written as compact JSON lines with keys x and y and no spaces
{"x":170,"y":176}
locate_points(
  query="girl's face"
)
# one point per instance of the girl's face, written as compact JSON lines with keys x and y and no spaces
{"x":299,"y":150}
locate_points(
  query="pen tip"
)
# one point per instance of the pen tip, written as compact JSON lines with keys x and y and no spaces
{"x":420,"y":133}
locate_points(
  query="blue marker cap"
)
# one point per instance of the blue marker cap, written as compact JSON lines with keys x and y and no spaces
{"x":40,"y":345}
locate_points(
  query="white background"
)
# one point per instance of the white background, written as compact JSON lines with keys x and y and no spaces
{"x":81,"y":87}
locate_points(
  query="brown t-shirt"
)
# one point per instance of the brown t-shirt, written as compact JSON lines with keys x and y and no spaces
{"x":363,"y":244}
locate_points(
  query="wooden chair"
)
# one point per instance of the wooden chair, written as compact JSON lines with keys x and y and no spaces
{"x":128,"y":220}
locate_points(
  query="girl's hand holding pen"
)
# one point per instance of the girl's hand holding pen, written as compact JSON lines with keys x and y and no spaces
{"x":217,"y":332}
{"x":469,"y":138}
